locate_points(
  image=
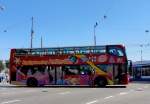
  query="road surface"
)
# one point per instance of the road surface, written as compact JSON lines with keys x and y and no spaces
{"x":134,"y":93}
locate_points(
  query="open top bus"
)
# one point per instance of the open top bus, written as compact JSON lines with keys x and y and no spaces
{"x":84,"y":65}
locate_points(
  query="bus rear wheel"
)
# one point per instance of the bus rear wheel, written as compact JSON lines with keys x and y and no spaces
{"x":32,"y":82}
{"x":100,"y":82}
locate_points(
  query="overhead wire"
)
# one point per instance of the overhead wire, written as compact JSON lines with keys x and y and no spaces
{"x":105,"y":15}
{"x":13,"y":26}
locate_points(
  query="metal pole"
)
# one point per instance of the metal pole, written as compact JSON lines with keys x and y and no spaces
{"x":94,"y":37}
{"x":32,"y":34}
{"x":41,"y":42}
{"x":141,"y":53}
{"x":141,"y":56}
{"x":94,"y":33}
{"x":141,"y":59}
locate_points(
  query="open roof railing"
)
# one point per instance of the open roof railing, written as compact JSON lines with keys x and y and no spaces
{"x":63,"y":50}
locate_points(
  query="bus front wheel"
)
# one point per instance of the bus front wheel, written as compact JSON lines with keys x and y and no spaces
{"x":32,"y":82}
{"x":100,"y":82}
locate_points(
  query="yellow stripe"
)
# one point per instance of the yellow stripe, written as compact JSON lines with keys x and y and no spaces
{"x":98,"y":70}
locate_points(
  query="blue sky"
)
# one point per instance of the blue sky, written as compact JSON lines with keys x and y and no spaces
{"x":70,"y":23}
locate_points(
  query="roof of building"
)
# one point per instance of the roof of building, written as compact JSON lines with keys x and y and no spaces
{"x":141,"y":63}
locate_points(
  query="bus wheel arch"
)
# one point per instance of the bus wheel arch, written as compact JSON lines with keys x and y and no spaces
{"x":100,"y":81}
{"x":32,"y":82}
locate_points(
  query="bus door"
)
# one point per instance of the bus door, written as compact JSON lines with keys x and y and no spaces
{"x":59,"y":75}
{"x":116,"y":74}
{"x":119,"y":74}
{"x":51,"y":72}
{"x":56,"y":75}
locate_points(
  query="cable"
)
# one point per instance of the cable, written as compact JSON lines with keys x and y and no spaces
{"x":13,"y":26}
{"x":105,"y":15}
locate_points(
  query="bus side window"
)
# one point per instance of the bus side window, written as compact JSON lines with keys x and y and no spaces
{"x":85,"y":70}
{"x":113,"y":52}
{"x":116,"y":51}
{"x":120,"y":52}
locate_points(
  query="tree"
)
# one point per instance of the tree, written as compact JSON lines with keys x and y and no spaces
{"x":1,"y":65}
{"x":7,"y":64}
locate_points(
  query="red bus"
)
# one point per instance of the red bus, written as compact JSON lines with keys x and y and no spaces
{"x":84,"y":65}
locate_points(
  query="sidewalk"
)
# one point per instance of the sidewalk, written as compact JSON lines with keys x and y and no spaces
{"x":4,"y":83}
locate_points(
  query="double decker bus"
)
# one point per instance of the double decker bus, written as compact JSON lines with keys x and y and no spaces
{"x":84,"y":65}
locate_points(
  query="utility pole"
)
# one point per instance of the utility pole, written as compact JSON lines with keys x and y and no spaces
{"x":96,"y":24}
{"x":141,"y":53}
{"x":141,"y":57}
{"x":32,"y":32}
{"x":94,"y":37}
{"x":41,"y":42}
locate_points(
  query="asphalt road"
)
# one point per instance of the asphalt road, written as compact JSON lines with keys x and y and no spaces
{"x":134,"y":93}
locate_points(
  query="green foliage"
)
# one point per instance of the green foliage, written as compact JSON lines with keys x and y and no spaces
{"x":1,"y":66}
{"x":7,"y":63}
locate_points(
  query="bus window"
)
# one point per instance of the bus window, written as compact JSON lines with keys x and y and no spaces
{"x":115,"y":51}
{"x":70,"y":70}
{"x":77,"y":51}
{"x":71,"y":52}
{"x":120,"y":52}
{"x":103,"y":67}
{"x":85,"y":70}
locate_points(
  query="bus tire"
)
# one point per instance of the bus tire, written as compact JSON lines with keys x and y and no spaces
{"x":100,"y":81}
{"x":32,"y":82}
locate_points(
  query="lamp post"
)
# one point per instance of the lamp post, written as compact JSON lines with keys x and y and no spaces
{"x":141,"y":53}
{"x":41,"y":42}
{"x":32,"y":32}
{"x":141,"y":58}
{"x":96,"y":24}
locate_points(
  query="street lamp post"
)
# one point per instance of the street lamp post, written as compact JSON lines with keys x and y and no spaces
{"x":94,"y":38}
{"x":141,"y":58}
{"x":41,"y":42}
{"x":141,"y":53}
{"x":96,"y":24}
{"x":32,"y":32}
